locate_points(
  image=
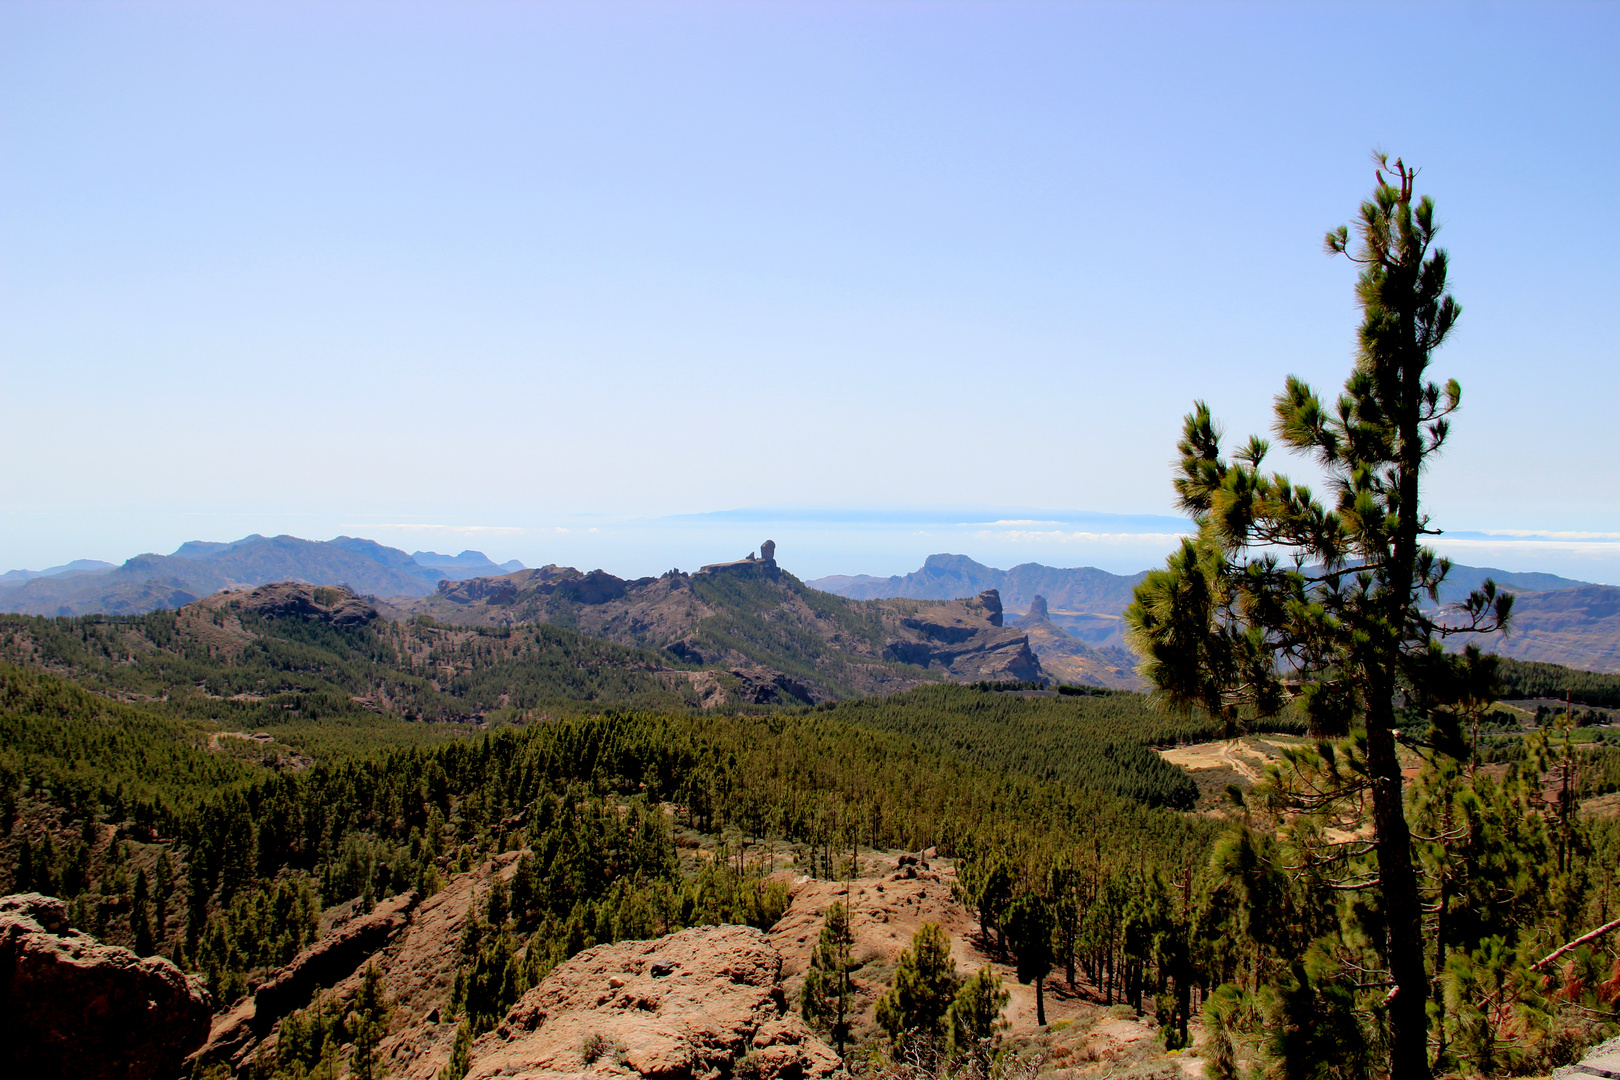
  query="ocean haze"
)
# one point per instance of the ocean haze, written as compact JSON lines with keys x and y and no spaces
{"x":814,"y":542}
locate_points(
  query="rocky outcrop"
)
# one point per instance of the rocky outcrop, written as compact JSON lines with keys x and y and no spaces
{"x":751,"y":615}
{"x":73,"y":1007}
{"x":549,"y":583}
{"x":1070,"y":660}
{"x":748,"y":685}
{"x":965,"y":639}
{"x":293,"y":600}
{"x":688,"y":1006}
{"x":1600,"y":1063}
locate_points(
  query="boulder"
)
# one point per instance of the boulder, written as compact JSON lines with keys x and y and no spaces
{"x":687,"y":1006}
{"x":73,"y":1007}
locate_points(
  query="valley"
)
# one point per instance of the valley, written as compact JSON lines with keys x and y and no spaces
{"x":518,"y":797}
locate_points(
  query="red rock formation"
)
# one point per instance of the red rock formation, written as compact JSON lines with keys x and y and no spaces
{"x":686,"y":1006}
{"x":73,"y":1007}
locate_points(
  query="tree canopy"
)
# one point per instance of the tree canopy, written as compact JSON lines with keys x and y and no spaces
{"x":1282,"y":596}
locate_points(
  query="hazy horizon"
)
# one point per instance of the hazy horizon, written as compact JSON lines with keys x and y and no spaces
{"x":815,"y":543}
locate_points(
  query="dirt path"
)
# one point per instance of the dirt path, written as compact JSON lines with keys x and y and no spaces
{"x":1232,"y":759}
{"x":1232,"y":754}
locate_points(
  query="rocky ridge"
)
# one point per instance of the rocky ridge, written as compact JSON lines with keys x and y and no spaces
{"x":701,"y":1004}
{"x":782,"y":641}
{"x":687,"y":1006}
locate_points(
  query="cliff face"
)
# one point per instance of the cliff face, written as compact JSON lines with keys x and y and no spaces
{"x":966,"y":639}
{"x":1085,"y":602}
{"x":1068,"y":659}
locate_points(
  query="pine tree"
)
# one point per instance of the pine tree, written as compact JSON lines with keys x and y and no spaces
{"x":973,"y":1022}
{"x":1029,"y":935}
{"x":829,"y":995}
{"x":1281,"y":596}
{"x":925,"y":981}
{"x":460,"y":1054}
{"x":367,"y":1023}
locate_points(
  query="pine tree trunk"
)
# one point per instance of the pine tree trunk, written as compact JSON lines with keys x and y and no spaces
{"x":1040,"y":1003}
{"x":1184,"y":1006}
{"x":1403,"y":910}
{"x":1408,"y":1015}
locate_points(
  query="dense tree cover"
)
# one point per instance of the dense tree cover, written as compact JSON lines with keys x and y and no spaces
{"x":1098,"y":740}
{"x":1529,"y":679}
{"x":298,"y":678}
{"x":90,"y":756}
{"x":243,"y":858}
{"x":223,"y":864}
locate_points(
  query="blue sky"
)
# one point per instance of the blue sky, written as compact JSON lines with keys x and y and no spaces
{"x":498,"y":275}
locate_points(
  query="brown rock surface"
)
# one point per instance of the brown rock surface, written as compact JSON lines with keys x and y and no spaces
{"x":683,"y":1006}
{"x":73,"y":1007}
{"x":963,"y":638}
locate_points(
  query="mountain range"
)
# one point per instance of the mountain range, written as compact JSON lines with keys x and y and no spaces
{"x":772,"y":637}
{"x":198,"y":568}
{"x":1555,"y":619}
{"x":1071,"y":618}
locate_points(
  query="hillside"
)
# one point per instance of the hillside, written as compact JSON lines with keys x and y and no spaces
{"x":752,"y":615}
{"x":1576,"y":627}
{"x":315,"y":667}
{"x":197,"y":568}
{"x":276,"y":885}
{"x":484,"y":871}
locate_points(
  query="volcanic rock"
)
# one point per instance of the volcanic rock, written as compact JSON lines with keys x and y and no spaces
{"x":291,"y":599}
{"x":73,"y":1007}
{"x":686,"y":1006}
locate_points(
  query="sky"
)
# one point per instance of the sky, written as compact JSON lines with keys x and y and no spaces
{"x":637,"y":285}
